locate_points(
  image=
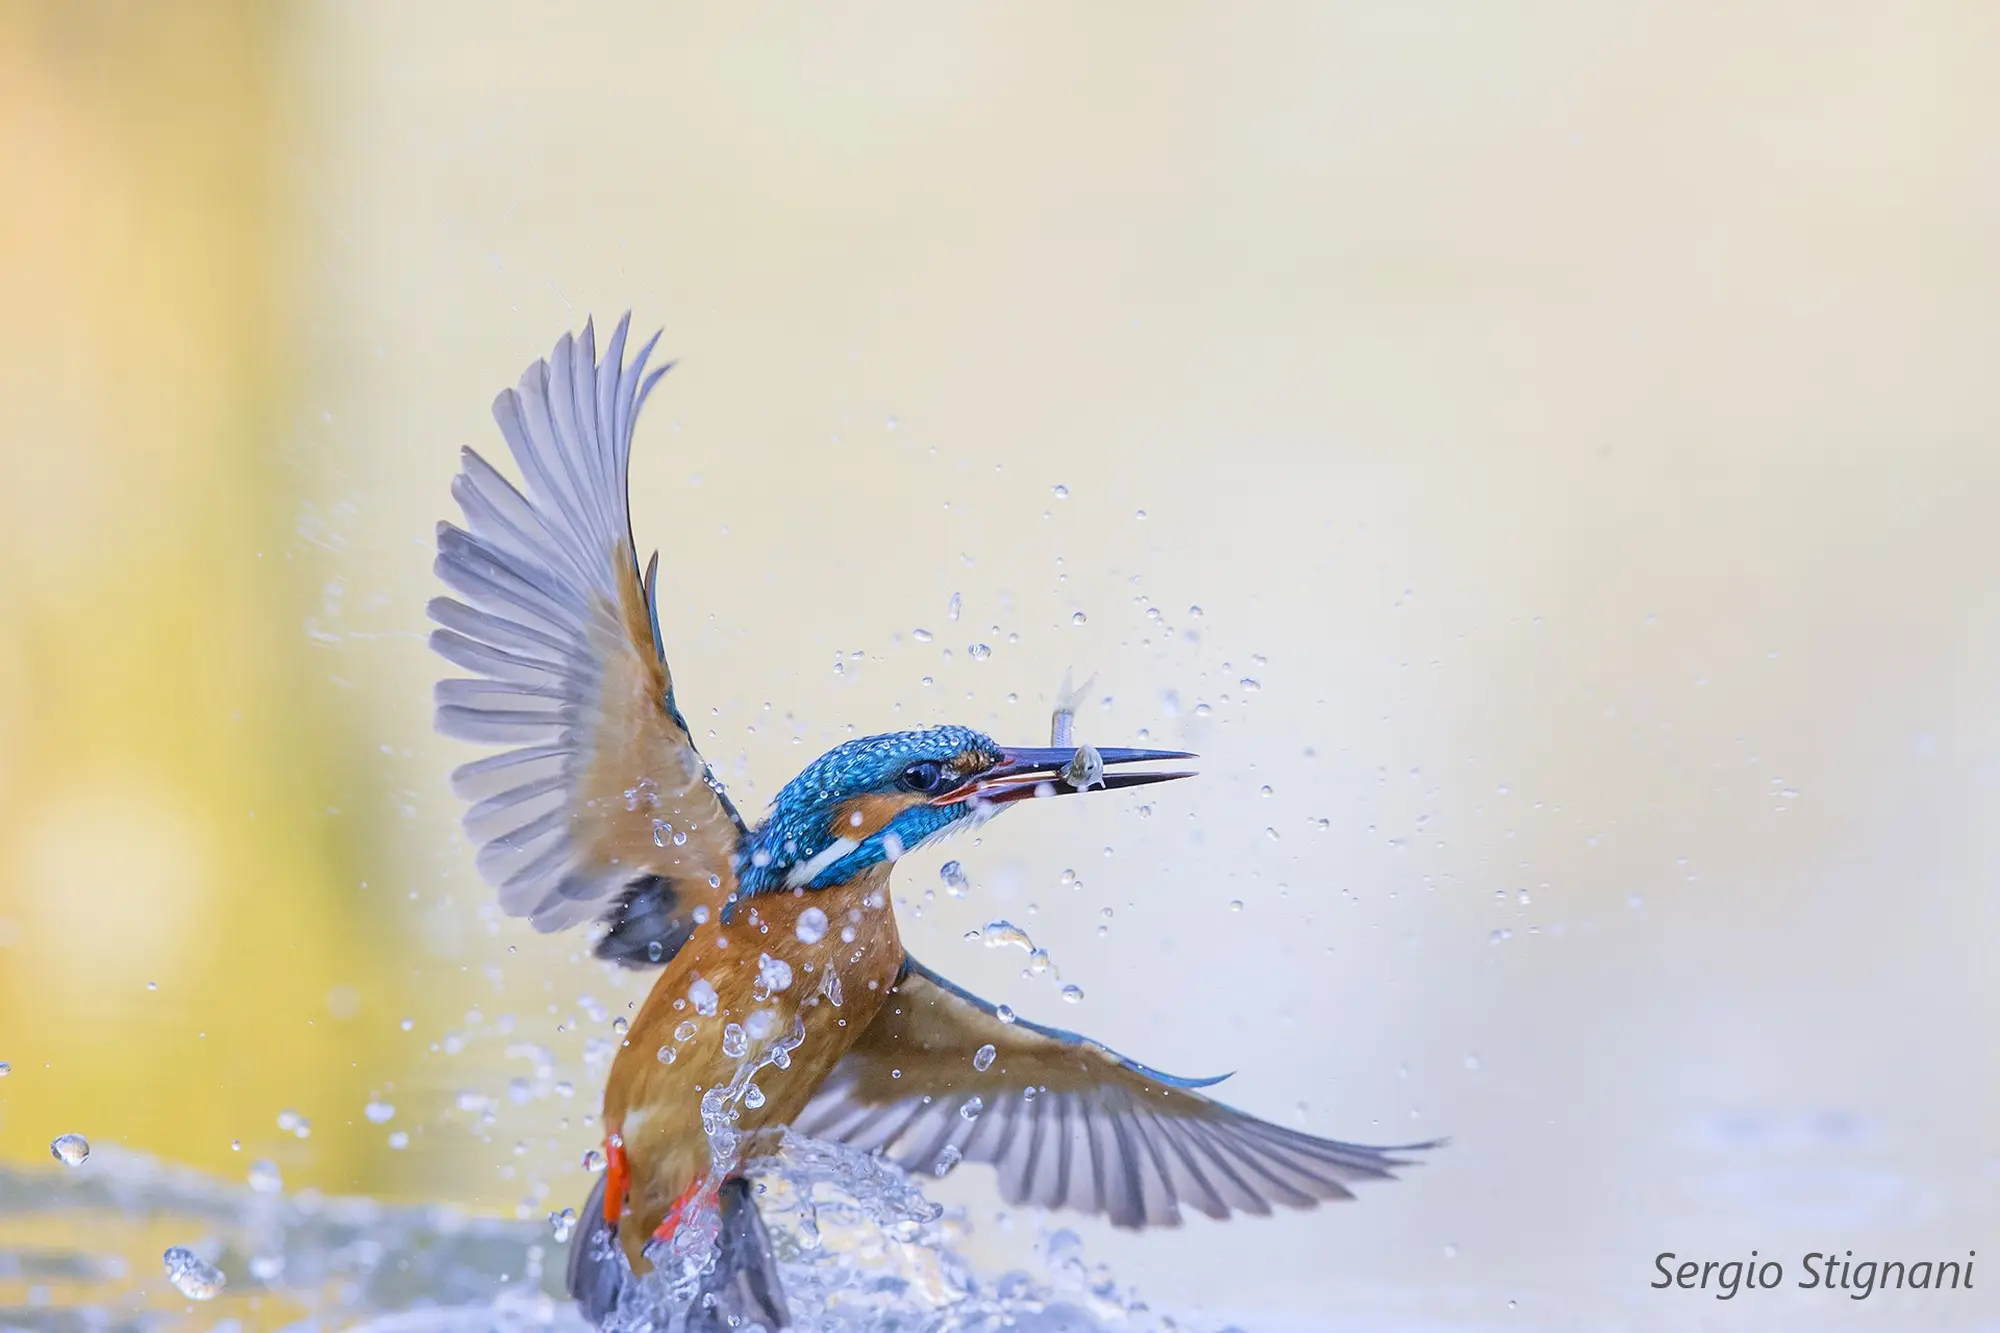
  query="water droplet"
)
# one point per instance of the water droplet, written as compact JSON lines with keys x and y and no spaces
{"x":1079,"y":618}
{"x":399,"y":1141}
{"x":1140,"y":515}
{"x":978,"y":652}
{"x":1235,"y":904}
{"x":702,"y":996}
{"x":620,"y":1025}
{"x":71,"y":1149}
{"x":1004,"y":1012}
{"x":5,"y":1069}
{"x":1271,"y":833}
{"x":1072,"y":994}
{"x":562,"y":1225}
{"x":191,"y":1277}
{"x":952,"y":607}
{"x":735,"y":1042}
{"x":379,"y":1112}
{"x":1060,"y":491}
{"x":921,"y":635}
{"x":1001,"y":934}
{"x":954,"y":877}
{"x":1064,"y":1250}
{"x":811,"y":927}
{"x":407,"y":1024}
{"x":264,"y":1177}
{"x":773,"y":974}
{"x":982,"y":1059}
{"x":753,"y":1096}
{"x":686,"y":1030}
{"x":666,"y":1055}
{"x":1250,"y":686}
{"x":593,"y":1161}
{"x":661,"y":830}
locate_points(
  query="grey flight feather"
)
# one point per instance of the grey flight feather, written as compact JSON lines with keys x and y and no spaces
{"x":1065,"y":1122}
{"x":541,"y":576}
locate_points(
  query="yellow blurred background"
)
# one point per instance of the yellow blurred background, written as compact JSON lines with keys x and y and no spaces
{"x":1575,"y":419}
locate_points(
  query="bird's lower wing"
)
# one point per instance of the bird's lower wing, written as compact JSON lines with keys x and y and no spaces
{"x":939,"y":1077}
{"x":599,"y":805}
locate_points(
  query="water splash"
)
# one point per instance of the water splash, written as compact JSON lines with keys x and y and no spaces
{"x":858,"y":1246}
{"x":193,"y":1278}
{"x":1002,"y":934}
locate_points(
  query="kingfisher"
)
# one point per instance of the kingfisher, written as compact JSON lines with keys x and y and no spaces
{"x":785,"y":997}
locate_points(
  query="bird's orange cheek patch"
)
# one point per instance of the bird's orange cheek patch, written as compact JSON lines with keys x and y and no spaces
{"x":865,"y":816}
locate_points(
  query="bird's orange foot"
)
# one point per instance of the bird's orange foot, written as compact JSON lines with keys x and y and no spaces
{"x":617,"y":1179}
{"x":699,"y":1195}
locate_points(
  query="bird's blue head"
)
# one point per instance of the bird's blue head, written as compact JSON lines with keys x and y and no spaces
{"x":867,"y":802}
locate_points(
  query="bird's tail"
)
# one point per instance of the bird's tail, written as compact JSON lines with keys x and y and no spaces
{"x":743,"y":1288}
{"x":597,"y":1268}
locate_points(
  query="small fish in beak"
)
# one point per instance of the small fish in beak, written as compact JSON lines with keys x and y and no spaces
{"x":1087,"y":769}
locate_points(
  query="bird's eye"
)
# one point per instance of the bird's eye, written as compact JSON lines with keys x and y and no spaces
{"x":922,"y":777}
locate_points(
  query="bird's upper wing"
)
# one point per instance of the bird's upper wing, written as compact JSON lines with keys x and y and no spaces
{"x":1067,"y":1123}
{"x":600,"y":804}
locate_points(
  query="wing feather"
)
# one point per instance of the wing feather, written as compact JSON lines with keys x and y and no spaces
{"x":1065,"y":1122}
{"x":602,"y":790}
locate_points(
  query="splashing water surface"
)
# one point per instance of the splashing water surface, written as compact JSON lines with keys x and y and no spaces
{"x":84,"y":1250}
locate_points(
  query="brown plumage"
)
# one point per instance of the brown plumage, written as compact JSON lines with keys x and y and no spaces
{"x":601,"y":808}
{"x":835,"y":990}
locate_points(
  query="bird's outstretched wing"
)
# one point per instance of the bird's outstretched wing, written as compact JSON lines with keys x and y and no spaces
{"x":938,"y":1077}
{"x":600,"y":805}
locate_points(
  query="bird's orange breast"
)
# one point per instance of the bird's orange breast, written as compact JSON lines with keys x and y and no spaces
{"x":823,"y":961}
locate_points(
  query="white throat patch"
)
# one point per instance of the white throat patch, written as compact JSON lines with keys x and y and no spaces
{"x":805,"y":872}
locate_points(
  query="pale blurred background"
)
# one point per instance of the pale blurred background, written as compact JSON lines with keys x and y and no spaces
{"x":1577,"y":419}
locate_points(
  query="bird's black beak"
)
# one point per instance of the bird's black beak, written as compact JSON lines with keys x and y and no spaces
{"x":1057,"y":771}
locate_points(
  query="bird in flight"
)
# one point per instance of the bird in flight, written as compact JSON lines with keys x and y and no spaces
{"x":776,"y":944}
